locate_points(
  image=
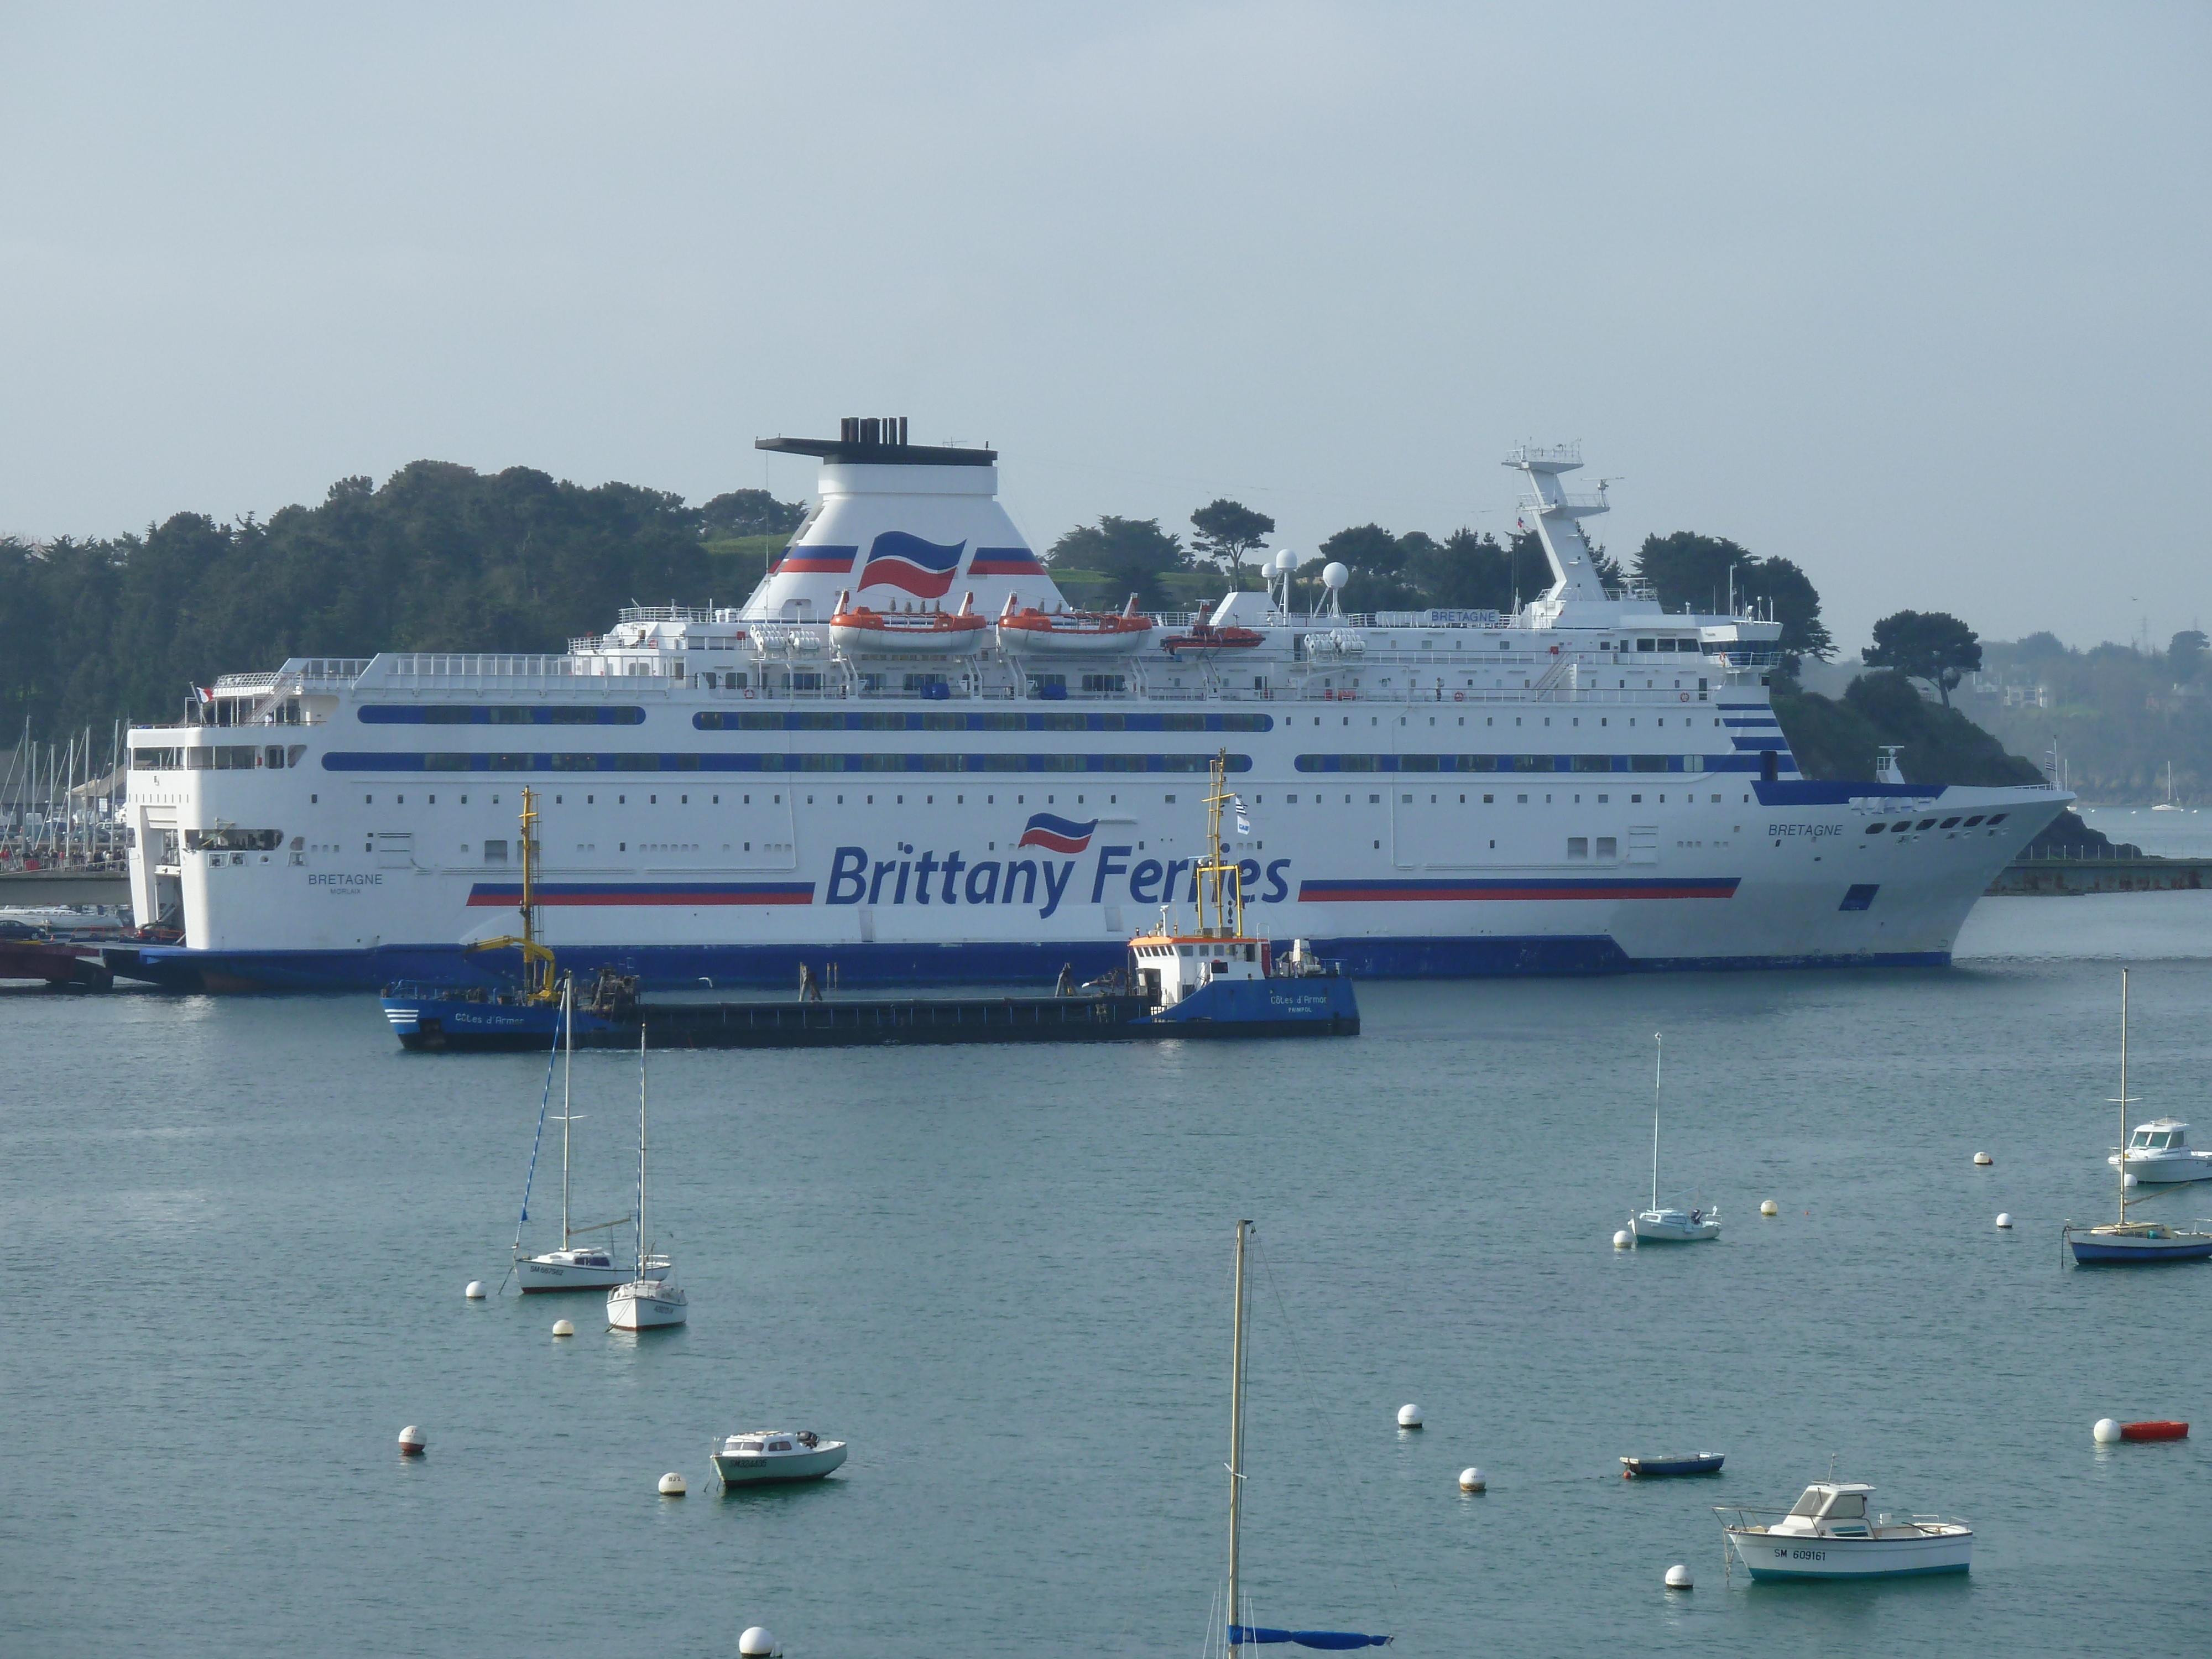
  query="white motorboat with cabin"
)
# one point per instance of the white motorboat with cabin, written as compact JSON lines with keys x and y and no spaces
{"x":646,"y":1300}
{"x":2123,"y":1242}
{"x":1830,"y":1534}
{"x":2159,"y":1154}
{"x":1595,"y":783}
{"x":1669,"y":1225}
{"x":764,"y":1455}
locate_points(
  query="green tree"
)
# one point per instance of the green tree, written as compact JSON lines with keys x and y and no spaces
{"x":1694,"y":572}
{"x":1126,"y":556}
{"x":1464,"y":572}
{"x":2185,"y":657}
{"x":1227,"y":531}
{"x":1929,"y":645}
{"x":750,"y":512}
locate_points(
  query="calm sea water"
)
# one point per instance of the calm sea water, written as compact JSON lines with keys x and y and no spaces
{"x":238,"y":1231}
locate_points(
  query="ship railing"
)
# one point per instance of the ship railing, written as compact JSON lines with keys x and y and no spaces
{"x":472,"y":667}
{"x":675,"y":613}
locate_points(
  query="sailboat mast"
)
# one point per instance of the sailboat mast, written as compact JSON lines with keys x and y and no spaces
{"x":567,"y":1067}
{"x":1237,"y":1442}
{"x":1658,"y":1062}
{"x":2120,"y":1163}
{"x":641,"y":1149}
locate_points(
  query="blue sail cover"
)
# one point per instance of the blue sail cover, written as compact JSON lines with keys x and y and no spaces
{"x":1239,"y":1634}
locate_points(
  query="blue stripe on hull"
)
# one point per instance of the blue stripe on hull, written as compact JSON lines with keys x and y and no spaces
{"x":679,"y":967}
{"x":1817,"y":1577}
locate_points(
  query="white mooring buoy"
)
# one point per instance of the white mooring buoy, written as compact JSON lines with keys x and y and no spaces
{"x":1473,"y":1480}
{"x":671,"y":1485}
{"x":1409,"y":1417}
{"x":562,"y":1327}
{"x":1623,"y":1239}
{"x":2004,"y":1220}
{"x":413,"y":1442}
{"x":476,"y":1290}
{"x":2131,"y":1179}
{"x":1770,"y":1207}
{"x":2107,"y":1431}
{"x":1677,"y":1578}
{"x":757,"y":1644}
{"x":1982,"y":1160}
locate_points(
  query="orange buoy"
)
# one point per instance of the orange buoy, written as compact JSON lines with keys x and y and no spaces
{"x":2160,"y":1430}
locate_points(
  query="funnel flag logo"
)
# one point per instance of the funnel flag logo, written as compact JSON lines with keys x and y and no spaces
{"x":1057,"y":834}
{"x":922,"y":569}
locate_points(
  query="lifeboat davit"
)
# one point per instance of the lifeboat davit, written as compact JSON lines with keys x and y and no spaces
{"x":858,"y":631}
{"x":1032,"y":632}
{"x":1200,"y":638}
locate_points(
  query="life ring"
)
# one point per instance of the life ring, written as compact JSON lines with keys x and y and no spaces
{"x":1686,"y":696}
{"x":748,"y":691}
{"x":1459,"y":696}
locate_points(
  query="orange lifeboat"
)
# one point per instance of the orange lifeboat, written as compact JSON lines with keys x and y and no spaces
{"x":858,"y":631}
{"x":1033,"y":632}
{"x":1203,"y":638}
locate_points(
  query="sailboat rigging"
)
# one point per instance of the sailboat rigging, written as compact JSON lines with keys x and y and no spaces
{"x":1672,"y":1226}
{"x":2125,"y":1242}
{"x":1239,"y":1634}
{"x":574,"y":1266}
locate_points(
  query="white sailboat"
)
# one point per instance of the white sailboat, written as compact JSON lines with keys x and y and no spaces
{"x":572,"y":1266}
{"x":2123,"y":1242}
{"x":1668,"y":1227}
{"x":1239,"y":1632}
{"x":2167,"y":806}
{"x":646,"y":1302}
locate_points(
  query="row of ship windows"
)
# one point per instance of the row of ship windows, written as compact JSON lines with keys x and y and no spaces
{"x":750,"y":720}
{"x":876,"y":763}
{"x":1904,"y":825}
{"x":248,"y":757}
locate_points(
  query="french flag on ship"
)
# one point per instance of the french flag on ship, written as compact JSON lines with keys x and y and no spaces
{"x":922,"y":569}
{"x":1057,"y":834}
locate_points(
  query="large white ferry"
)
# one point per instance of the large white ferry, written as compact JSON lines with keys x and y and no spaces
{"x":905,"y":758}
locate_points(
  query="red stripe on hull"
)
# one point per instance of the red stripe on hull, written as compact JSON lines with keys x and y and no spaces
{"x":1431,"y":895}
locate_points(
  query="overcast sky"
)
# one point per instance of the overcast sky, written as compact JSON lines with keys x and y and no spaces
{"x":1915,"y":295}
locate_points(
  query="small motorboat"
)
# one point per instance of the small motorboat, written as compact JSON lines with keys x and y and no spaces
{"x":2159,"y":1152}
{"x":858,"y":631}
{"x":1828,"y":1534}
{"x":1664,"y":1468}
{"x":1073,"y":633}
{"x":2155,"y":1431}
{"x":764,"y":1455}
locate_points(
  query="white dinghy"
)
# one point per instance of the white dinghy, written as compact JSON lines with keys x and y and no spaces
{"x":1828,"y":1534}
{"x":764,"y":1455}
{"x":646,"y":1302}
{"x":1669,"y":1225}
